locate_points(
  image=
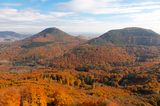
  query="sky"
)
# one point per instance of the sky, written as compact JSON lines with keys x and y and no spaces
{"x":78,"y":16}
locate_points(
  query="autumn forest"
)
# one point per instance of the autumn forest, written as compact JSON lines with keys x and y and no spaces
{"x":53,"y":68}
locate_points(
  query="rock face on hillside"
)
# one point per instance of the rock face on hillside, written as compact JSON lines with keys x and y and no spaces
{"x":128,"y":36}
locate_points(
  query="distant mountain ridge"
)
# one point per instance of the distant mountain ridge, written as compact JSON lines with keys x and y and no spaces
{"x":87,"y":37}
{"x":128,"y":36}
{"x":7,"y":36}
{"x":9,"y":33}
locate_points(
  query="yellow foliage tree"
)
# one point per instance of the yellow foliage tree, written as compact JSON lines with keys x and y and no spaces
{"x":62,"y":99}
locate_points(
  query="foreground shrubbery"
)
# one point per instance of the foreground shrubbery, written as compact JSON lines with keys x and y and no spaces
{"x":52,"y":87}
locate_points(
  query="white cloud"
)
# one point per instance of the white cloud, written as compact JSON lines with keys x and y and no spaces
{"x":11,"y":14}
{"x":142,"y":14}
{"x":153,"y":16}
{"x":139,"y":14}
{"x":83,"y":5}
{"x":23,"y":20}
{"x":107,"y":6}
{"x":10,"y":4}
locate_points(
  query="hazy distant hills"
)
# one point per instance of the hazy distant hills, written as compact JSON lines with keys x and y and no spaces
{"x":86,"y":37}
{"x":9,"y":36}
{"x":128,"y":36}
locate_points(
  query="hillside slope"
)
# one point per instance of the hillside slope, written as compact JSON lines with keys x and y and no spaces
{"x":48,"y":43}
{"x":128,"y":36}
{"x":114,"y":48}
{"x":96,"y":57}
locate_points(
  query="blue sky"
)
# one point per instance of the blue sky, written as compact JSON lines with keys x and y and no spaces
{"x":78,"y":16}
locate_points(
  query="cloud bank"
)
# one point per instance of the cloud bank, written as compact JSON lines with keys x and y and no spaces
{"x":95,"y":16}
